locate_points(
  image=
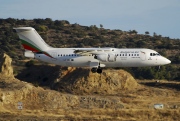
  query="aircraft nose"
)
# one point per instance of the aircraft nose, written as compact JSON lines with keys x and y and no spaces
{"x":165,"y":61}
{"x":168,"y":61}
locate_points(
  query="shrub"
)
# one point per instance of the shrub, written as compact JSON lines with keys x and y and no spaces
{"x":29,"y":63}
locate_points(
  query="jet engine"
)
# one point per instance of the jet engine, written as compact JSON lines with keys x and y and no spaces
{"x":102,"y":57}
{"x":110,"y":57}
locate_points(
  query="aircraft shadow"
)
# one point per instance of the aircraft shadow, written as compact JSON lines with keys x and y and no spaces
{"x":50,"y":77}
{"x":40,"y":75}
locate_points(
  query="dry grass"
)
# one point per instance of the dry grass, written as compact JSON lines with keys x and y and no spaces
{"x":100,"y":114}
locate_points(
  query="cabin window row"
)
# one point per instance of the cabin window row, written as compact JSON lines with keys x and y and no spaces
{"x":93,"y":55}
{"x":127,"y":54}
{"x":71,"y":55}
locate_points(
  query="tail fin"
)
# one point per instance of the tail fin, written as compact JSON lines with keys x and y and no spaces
{"x":31,"y":40}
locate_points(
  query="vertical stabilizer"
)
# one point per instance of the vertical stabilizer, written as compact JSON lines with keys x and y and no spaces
{"x":31,"y":40}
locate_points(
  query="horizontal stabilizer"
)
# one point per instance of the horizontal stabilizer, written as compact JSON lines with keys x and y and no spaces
{"x":29,"y":54}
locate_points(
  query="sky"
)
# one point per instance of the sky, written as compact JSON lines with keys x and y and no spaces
{"x":159,"y":16}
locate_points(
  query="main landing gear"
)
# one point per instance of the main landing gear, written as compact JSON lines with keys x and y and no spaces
{"x":98,"y":70}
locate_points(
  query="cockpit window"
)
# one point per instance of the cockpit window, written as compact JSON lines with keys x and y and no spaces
{"x":155,"y":54}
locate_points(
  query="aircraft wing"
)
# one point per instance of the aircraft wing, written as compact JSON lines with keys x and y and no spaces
{"x":95,"y":51}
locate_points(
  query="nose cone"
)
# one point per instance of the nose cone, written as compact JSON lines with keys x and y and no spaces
{"x":165,"y":61}
{"x":168,"y":61}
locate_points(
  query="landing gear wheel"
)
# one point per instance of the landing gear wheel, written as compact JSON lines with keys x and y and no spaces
{"x":99,"y":70}
{"x":94,"y":70}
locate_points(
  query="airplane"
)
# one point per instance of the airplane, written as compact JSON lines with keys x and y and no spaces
{"x":95,"y":58}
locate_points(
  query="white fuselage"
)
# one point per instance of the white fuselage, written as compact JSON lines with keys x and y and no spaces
{"x":112,"y":57}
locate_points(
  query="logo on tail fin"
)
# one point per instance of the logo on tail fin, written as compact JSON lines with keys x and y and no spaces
{"x":29,"y":46}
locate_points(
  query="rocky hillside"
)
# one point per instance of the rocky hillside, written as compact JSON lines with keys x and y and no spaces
{"x":83,"y":81}
{"x":78,"y":80}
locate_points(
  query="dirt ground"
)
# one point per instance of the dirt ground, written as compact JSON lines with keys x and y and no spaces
{"x":137,"y":105}
{"x":94,"y":114}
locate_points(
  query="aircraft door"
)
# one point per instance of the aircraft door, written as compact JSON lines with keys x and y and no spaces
{"x":142,"y":55}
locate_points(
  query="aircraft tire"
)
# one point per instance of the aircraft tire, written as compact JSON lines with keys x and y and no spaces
{"x":94,"y":70}
{"x":99,"y":70}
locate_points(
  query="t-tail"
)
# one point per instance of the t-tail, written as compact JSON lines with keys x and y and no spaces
{"x":32,"y":41}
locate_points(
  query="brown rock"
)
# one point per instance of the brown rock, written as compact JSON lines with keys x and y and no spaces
{"x":6,"y":69}
{"x":79,"y":80}
{"x":82,"y":81}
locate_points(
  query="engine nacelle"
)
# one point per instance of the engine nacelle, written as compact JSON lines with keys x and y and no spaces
{"x":102,"y":57}
{"x":110,"y":57}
